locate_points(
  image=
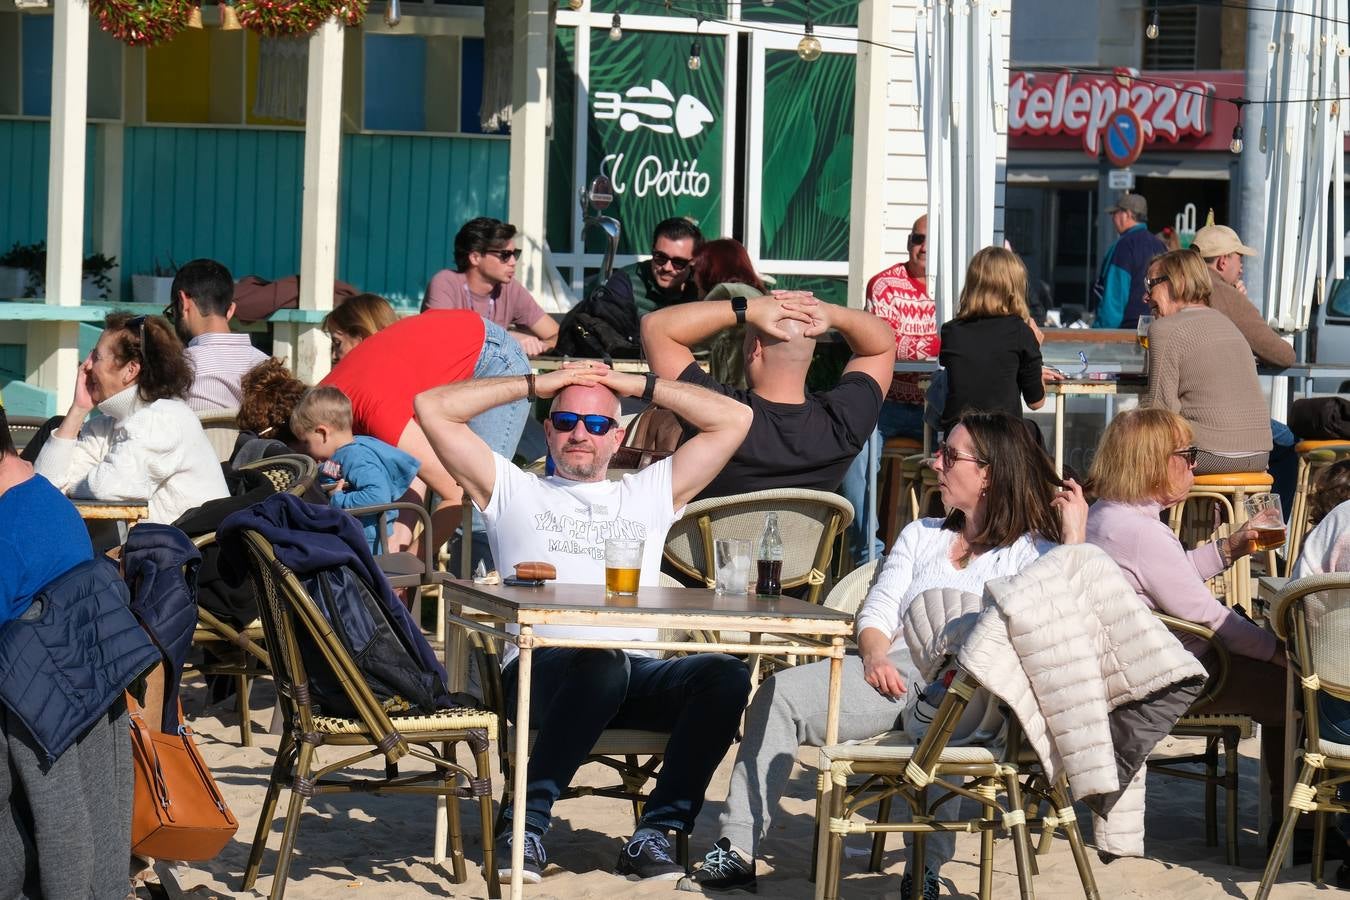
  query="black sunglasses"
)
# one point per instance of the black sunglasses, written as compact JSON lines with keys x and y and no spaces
{"x":1190,"y":454}
{"x":1151,"y":283}
{"x":678,"y":263}
{"x":565,"y":422}
{"x":504,"y":255}
{"x":916,"y":238}
{"x":137,"y":324}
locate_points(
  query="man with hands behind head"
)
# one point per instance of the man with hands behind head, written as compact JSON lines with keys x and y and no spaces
{"x":564,"y":519}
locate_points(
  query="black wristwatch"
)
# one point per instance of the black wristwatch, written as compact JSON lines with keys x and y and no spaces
{"x":650,"y":388}
{"x":738,"y":305}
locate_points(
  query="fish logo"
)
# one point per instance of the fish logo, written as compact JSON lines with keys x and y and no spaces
{"x":654,"y":108}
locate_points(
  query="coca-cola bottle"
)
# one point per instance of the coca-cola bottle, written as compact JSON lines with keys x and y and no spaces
{"x":769,"y":582}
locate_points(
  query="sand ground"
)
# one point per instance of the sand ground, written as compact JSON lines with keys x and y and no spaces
{"x":380,"y":847}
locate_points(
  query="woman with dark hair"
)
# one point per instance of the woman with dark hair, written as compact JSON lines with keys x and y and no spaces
{"x":1005,"y":508}
{"x":270,"y":393}
{"x":723,"y":271}
{"x":148,"y":445}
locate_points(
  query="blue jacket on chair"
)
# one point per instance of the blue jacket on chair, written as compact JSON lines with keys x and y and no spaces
{"x":161,"y":570}
{"x":71,"y":654}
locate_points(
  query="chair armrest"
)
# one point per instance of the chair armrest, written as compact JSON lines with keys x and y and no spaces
{"x":1296,"y":590}
{"x":382,"y":539}
{"x":1223,"y":661}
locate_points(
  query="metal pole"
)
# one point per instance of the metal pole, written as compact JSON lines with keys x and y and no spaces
{"x":1249,"y":194}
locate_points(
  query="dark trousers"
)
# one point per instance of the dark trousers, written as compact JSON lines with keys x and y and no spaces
{"x":577,"y":694}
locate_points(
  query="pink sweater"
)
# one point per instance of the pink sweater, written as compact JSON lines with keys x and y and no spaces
{"x":1171,"y":579}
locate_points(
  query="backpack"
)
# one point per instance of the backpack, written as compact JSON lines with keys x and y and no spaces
{"x":604,"y":325}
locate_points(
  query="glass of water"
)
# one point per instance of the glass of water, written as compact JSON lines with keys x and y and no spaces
{"x":732,"y":565}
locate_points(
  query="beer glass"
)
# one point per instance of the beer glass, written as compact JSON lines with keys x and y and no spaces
{"x":623,"y":566}
{"x":732,"y":565}
{"x":1141,"y":332}
{"x":1266,"y":519}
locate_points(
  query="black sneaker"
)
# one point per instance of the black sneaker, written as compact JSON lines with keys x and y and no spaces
{"x":932,"y":888}
{"x":723,"y":869}
{"x":648,"y":859}
{"x":535,"y":857}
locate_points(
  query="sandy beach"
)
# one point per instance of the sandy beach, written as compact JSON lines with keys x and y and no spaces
{"x":381,"y":847}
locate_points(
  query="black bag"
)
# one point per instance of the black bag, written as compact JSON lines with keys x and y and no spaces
{"x":393,"y":671}
{"x":1320,"y":418}
{"x":604,"y":325}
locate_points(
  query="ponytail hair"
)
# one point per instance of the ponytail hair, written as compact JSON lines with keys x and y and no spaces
{"x":166,"y":372}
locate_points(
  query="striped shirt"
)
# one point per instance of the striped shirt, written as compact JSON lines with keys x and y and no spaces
{"x":220,"y":362}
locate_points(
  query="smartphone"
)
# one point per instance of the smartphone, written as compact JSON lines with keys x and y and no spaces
{"x":513,"y":581}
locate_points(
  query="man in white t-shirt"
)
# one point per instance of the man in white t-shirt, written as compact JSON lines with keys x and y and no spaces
{"x":564,"y":519}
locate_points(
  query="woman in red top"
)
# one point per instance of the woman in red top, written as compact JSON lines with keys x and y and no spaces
{"x":381,"y":375}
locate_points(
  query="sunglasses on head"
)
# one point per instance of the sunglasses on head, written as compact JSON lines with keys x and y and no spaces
{"x":916,"y":238}
{"x":678,"y":263}
{"x":505,"y":256}
{"x":1190,"y":454}
{"x":565,"y":422}
{"x":136,"y":324}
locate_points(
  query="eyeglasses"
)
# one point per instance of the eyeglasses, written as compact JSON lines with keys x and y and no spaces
{"x":1190,"y":454}
{"x":1151,"y":283}
{"x":661,"y":260}
{"x":505,"y":256}
{"x":950,"y":456}
{"x":170,"y":312}
{"x":916,"y":238}
{"x":565,"y":422}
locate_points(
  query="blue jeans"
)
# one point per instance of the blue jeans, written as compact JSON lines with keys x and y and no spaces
{"x":896,"y":420}
{"x":576,"y":694}
{"x":1283,"y":465}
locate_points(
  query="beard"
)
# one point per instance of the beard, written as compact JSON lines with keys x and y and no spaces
{"x":584,"y":470}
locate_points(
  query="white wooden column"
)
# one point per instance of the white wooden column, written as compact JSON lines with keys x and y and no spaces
{"x":867,"y":218}
{"x":319,"y":202}
{"x":54,"y":345}
{"x":529,"y":139}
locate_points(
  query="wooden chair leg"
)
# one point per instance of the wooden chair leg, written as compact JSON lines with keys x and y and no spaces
{"x":815,"y":832}
{"x":879,"y":839}
{"x":303,"y":767}
{"x":1021,"y":843}
{"x":1286,"y":837}
{"x":1319,"y":846}
{"x":1069,"y":820}
{"x":448,"y":779}
{"x":987,"y":791}
{"x":487,"y":820}
{"x":281,"y":768}
{"x":241,"y":689}
{"x":1230,"y":775}
{"x":834,"y":848}
{"x":1211,"y":791}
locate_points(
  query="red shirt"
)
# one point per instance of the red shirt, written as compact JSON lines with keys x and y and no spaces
{"x":905,"y":305}
{"x":382,"y":374}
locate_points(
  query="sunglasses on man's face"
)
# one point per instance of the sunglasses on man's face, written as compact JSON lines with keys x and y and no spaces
{"x":916,"y":238}
{"x":661,"y":260}
{"x":565,"y":422}
{"x":505,"y":256}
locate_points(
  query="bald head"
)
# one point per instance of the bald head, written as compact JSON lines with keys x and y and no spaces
{"x":586,"y":399}
{"x":784,"y":361}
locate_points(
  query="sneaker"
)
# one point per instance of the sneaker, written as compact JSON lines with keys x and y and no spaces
{"x":723,"y":869}
{"x":535,"y":857}
{"x":932,"y":888}
{"x":648,"y":859}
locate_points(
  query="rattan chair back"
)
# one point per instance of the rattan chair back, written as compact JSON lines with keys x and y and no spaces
{"x":809,"y":523}
{"x":290,"y":473}
{"x":849,"y":592}
{"x":222,"y":430}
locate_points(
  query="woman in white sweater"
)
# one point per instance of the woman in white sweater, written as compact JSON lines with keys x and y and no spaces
{"x":148,"y":445}
{"x":1003,"y":511}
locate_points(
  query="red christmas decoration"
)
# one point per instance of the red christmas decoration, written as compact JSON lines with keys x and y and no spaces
{"x":142,"y":24}
{"x":296,"y":18}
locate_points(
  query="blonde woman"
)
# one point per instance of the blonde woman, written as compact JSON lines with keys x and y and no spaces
{"x":991,"y":351}
{"x":1201,"y":367}
{"x":355,"y":320}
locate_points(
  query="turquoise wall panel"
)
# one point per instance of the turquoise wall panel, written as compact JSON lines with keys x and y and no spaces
{"x":24,"y":153}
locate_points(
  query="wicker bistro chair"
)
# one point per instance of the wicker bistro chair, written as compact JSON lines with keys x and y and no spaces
{"x":910,"y":773}
{"x":290,"y":473}
{"x":1313,"y":457}
{"x":1191,"y":521}
{"x":633,"y":755}
{"x":288,"y":613}
{"x":1215,"y":728}
{"x":22,"y":429}
{"x":808,"y":521}
{"x":222,"y":430}
{"x":1313,"y":616}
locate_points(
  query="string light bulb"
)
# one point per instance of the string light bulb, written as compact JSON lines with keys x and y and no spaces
{"x":392,"y":13}
{"x":575,"y":5}
{"x":1235,"y":145}
{"x":768,"y":2}
{"x":1152,"y":31}
{"x":615,"y":28}
{"x":808,"y":48}
{"x":695,"y":59}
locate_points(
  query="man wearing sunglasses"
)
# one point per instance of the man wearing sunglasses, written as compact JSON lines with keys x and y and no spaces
{"x":484,"y":281}
{"x":799,"y":439}
{"x":564,"y":519}
{"x":665,"y":279}
{"x":200,"y":308}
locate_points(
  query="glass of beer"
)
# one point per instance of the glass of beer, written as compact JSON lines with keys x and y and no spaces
{"x":1141,"y":332}
{"x":623,"y":567}
{"x":1266,"y":519}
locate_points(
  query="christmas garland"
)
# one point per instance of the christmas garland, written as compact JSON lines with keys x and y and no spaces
{"x":142,"y":23}
{"x":296,"y":18}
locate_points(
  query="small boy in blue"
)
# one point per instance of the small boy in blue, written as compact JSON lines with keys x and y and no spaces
{"x":369,"y":471}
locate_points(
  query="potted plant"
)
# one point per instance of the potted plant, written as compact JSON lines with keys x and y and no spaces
{"x":97,"y":283}
{"x":156,"y":285}
{"x":16,"y":267}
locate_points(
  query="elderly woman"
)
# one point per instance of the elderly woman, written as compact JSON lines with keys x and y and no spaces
{"x":1201,"y":367}
{"x":148,"y":445}
{"x":1003,"y":512}
{"x":1144,"y":464}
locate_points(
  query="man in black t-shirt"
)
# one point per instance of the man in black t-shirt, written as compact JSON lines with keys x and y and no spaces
{"x":797,"y":440}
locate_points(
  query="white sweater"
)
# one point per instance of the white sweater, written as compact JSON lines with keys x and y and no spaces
{"x":155,"y":452}
{"x":921,"y":560}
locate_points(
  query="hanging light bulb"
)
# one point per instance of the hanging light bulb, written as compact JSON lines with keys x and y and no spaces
{"x":768,"y":2}
{"x":695,"y":60}
{"x":392,"y":14}
{"x":808,"y":48}
{"x":575,"y":5}
{"x":1152,"y":31}
{"x":1235,"y":145}
{"x":615,"y":28}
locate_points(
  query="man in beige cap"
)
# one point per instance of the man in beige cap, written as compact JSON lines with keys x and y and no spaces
{"x":1119,"y":288}
{"x":1222,"y":251}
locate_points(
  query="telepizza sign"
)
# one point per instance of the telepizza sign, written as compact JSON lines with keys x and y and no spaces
{"x":1120,"y":114}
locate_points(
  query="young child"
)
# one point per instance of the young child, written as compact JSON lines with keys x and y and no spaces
{"x":369,"y":471}
{"x":991,"y":351}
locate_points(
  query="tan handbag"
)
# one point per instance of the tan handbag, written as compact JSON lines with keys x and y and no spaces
{"x":177,"y":811}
